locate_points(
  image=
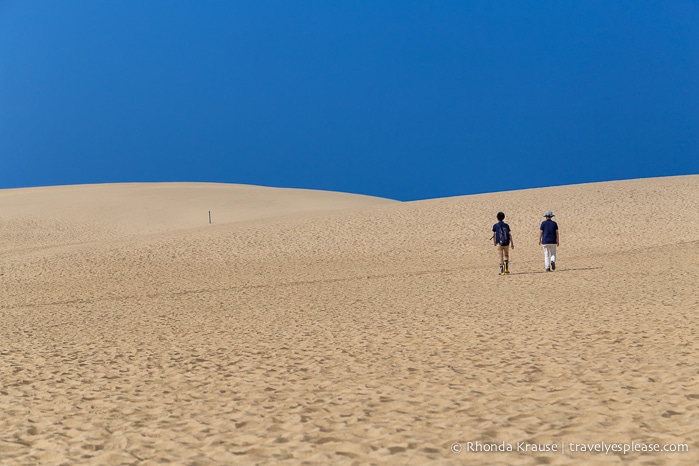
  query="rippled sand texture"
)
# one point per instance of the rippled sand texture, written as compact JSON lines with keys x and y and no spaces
{"x":313,"y":327}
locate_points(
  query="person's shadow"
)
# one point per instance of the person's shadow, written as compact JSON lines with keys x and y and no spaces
{"x":558,"y":270}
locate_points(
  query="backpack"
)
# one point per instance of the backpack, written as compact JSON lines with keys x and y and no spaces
{"x":503,"y":234}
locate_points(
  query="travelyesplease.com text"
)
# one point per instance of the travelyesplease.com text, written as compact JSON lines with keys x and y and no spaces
{"x":564,"y":447}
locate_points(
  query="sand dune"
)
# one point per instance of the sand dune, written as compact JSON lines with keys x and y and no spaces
{"x":314,"y":327}
{"x":86,"y":213}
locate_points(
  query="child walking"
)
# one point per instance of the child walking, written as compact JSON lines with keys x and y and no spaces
{"x":502,"y":240}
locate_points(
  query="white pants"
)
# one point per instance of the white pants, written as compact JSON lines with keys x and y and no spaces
{"x":549,"y":254}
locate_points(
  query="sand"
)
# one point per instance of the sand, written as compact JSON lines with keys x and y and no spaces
{"x":308,"y":327}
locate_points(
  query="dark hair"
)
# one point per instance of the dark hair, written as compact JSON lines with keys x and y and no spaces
{"x":501,"y":216}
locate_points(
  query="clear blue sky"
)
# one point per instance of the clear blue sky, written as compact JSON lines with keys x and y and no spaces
{"x":401,"y":99}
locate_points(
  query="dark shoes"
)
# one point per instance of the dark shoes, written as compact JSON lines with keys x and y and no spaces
{"x":553,"y":265}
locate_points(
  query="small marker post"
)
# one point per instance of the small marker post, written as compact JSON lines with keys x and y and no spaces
{"x":209,"y":216}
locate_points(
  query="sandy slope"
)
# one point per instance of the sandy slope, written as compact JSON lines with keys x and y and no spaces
{"x":322,"y":327}
{"x":84,"y":213}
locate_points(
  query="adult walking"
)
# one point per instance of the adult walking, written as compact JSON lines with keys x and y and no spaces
{"x":549,"y":238}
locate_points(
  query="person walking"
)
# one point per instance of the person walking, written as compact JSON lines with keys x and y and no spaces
{"x":502,"y":240}
{"x":549,"y":238}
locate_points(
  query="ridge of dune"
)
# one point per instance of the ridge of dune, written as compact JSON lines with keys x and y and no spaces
{"x":376,"y":334}
{"x":78,"y":213}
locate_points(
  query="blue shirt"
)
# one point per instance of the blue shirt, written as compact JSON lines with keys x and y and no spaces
{"x":549,"y":228}
{"x":497,"y":228}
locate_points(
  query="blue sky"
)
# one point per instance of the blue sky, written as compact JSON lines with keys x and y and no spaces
{"x":401,"y":99}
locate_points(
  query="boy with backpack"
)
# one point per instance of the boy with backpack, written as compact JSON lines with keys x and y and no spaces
{"x":502,"y":240}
